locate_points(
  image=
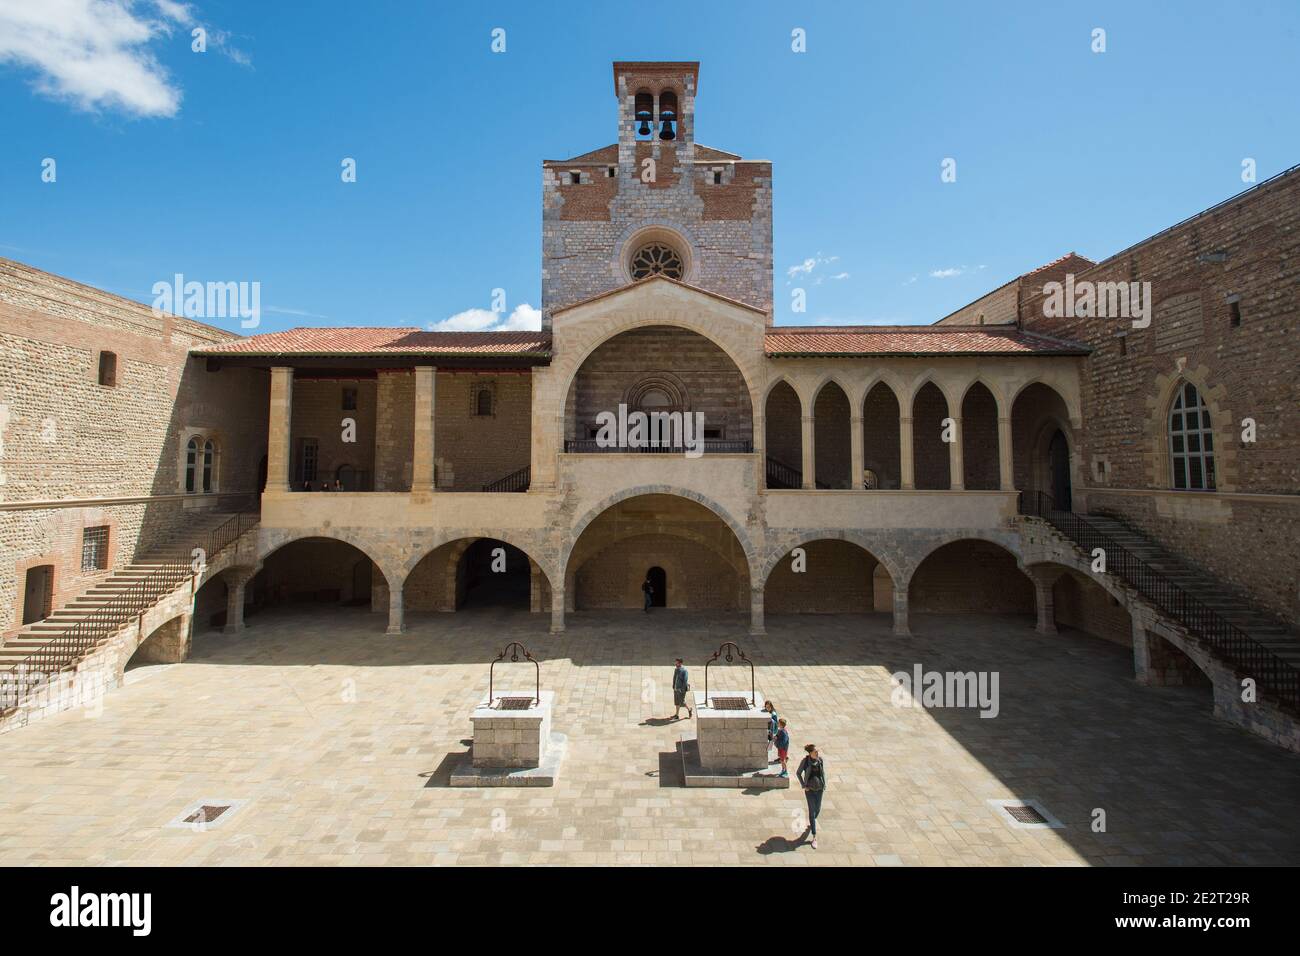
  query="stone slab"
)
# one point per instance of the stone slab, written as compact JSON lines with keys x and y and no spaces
{"x":697,"y":775}
{"x":465,"y":774}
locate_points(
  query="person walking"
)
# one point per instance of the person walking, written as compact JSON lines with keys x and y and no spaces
{"x":681,"y":686}
{"x":782,"y":741}
{"x":648,"y":590}
{"x":812,"y":777}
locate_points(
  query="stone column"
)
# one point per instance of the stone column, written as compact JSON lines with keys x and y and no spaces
{"x":756,"y":612}
{"x":809,"y":453}
{"x":855,"y":451}
{"x":900,"y":611}
{"x":279,"y":449}
{"x":235,"y":594}
{"x":395,"y":625}
{"x":907,"y":469}
{"x":956,"y":458}
{"x":1043,"y":582}
{"x":1141,"y":650}
{"x":422,"y":476}
{"x":1008,"y":481}
{"x":557,"y":610}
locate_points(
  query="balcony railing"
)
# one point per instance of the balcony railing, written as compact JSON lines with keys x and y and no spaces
{"x":712,"y":446}
{"x":781,"y":475}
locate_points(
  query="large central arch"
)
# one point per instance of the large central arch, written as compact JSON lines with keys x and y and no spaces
{"x":701,"y":551}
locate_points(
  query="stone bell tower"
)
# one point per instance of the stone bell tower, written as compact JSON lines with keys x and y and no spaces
{"x":656,"y":202}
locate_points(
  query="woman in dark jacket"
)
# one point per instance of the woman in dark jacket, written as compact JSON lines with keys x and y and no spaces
{"x":812,"y":777}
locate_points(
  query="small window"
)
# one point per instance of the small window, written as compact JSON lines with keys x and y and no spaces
{"x":713,"y":434}
{"x":349,"y":399}
{"x":209,"y":459}
{"x":483,"y":401}
{"x":1123,"y":344}
{"x":575,"y":178}
{"x":94,"y":548}
{"x":610,"y":172}
{"x":108,"y":369}
{"x":1234,"y":312}
{"x":309,"y":459}
{"x":191,"y":464}
{"x":717,"y":177}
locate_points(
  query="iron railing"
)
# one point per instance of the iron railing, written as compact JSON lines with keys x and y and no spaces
{"x":781,"y":475}
{"x":515,"y":481}
{"x":1274,"y":676}
{"x":66,"y":648}
{"x":711,"y":446}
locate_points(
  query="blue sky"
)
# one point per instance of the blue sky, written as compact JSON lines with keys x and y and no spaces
{"x":225,"y":165}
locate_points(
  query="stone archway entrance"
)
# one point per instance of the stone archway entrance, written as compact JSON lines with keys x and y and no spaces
{"x":703,"y":564}
{"x":658,"y":579}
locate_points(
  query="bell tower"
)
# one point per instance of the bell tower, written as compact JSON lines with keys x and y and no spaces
{"x":655,"y":202}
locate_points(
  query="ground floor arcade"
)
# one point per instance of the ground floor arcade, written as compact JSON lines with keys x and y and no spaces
{"x":332,"y":741}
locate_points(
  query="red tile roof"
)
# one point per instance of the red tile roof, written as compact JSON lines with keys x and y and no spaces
{"x":915,"y":340}
{"x":384,"y":341}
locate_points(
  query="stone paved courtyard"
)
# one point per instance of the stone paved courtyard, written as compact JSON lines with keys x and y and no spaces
{"x":338,"y":740}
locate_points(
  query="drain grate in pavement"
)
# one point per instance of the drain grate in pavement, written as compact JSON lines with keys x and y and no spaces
{"x":1023,"y":813}
{"x":1027,"y":813}
{"x":206,"y":814}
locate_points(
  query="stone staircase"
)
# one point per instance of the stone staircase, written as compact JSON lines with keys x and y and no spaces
{"x":1223,"y":623}
{"x":53,"y":645}
{"x":1263,"y":629}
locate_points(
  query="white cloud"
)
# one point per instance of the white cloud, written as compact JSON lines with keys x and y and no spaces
{"x":524,"y":318}
{"x":808,"y":265}
{"x":952,"y":271}
{"x":96,"y":54}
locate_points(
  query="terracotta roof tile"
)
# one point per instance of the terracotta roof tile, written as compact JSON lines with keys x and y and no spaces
{"x":914,"y":340}
{"x":384,"y":341}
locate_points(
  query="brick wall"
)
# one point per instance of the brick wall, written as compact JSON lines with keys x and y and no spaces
{"x":880,"y":436}
{"x":395,"y":430}
{"x":837,"y":579}
{"x":472,"y":449}
{"x":833,"y":441}
{"x":784,"y":426}
{"x":318,"y":414}
{"x":979,"y":435}
{"x":1247,"y":248}
{"x":1083,"y":604}
{"x":700,"y":371}
{"x":970,"y":576}
{"x":697,"y":577}
{"x":930,"y":455}
{"x":63,"y":436}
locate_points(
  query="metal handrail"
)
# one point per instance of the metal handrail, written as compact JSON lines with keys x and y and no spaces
{"x":782,"y":476}
{"x":727,"y":646}
{"x":515,"y":649}
{"x":64,"y":649}
{"x":1275,"y":677}
{"x":515,"y":481}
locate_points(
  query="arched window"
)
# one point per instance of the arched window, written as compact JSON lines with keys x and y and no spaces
{"x":667,"y":115}
{"x":209,"y":460}
{"x":1191,"y":441}
{"x":483,"y":402}
{"x":191,"y":463}
{"x":644,"y":105}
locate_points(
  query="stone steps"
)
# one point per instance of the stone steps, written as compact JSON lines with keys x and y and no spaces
{"x":1265,"y":630}
{"x":35,"y":635}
